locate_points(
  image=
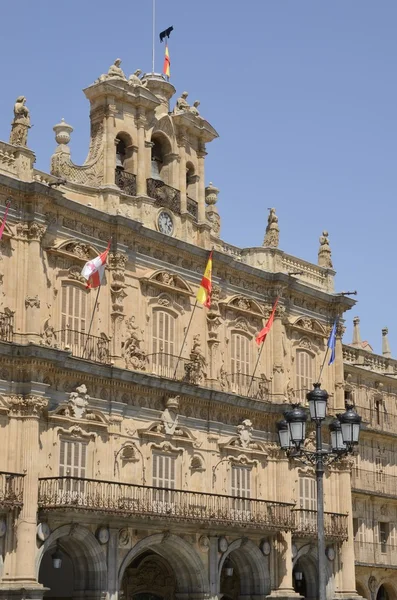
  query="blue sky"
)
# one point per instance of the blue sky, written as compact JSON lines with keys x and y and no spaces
{"x":303,"y":94}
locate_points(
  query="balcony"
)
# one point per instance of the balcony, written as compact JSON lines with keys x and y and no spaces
{"x":378,"y":419}
{"x":374,"y":482}
{"x":126,"y":181}
{"x":145,"y":502}
{"x":82,"y":345}
{"x":193,"y":370}
{"x":375,"y":554}
{"x":6,"y":327}
{"x":192,"y":208}
{"x":11,"y":490}
{"x":335,"y":524}
{"x":164,"y":195}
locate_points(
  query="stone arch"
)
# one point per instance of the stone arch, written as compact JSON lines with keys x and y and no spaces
{"x":182,"y":557}
{"x":251,"y":565}
{"x":388,"y":587}
{"x":362,"y":590}
{"x":87,"y":555}
{"x":306,"y":561}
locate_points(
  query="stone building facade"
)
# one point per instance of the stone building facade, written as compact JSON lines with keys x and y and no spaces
{"x":138,"y":446}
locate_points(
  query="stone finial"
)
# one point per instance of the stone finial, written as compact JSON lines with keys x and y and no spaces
{"x":324,"y":252}
{"x":356,"y":332}
{"x":62,"y":133}
{"x":182,"y":104}
{"x":272,"y":234}
{"x":211,"y":194}
{"x":20,"y":124}
{"x":385,"y":343}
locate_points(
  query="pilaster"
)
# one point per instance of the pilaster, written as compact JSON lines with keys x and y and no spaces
{"x":201,"y":154}
{"x":141,"y":172}
{"x":282,"y":568}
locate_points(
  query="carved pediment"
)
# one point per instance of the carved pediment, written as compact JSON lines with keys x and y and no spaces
{"x":243,"y":324}
{"x":309,"y":325}
{"x":234,"y":447}
{"x":76,"y":249}
{"x":165,"y":280}
{"x":243,"y":305}
{"x":157,"y":431}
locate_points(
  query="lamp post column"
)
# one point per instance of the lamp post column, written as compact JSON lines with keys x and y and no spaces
{"x":320,"y":513}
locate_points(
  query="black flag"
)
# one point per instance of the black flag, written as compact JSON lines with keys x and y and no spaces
{"x":166,"y":33}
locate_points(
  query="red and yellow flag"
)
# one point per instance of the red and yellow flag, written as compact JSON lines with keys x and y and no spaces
{"x":260,"y":338}
{"x":204,"y":292}
{"x":167,"y":63}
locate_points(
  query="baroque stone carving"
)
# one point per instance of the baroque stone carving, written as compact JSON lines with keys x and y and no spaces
{"x":135,"y":80}
{"x":272,"y":234}
{"x":48,"y":336}
{"x":324,"y":252}
{"x":244,"y":431}
{"x":30,"y":231}
{"x":135,"y":357}
{"x":29,"y":405}
{"x":20,"y":124}
{"x":78,"y":402}
{"x":169,"y":416}
{"x":32,"y":302}
{"x":195,"y":368}
{"x":182,"y":104}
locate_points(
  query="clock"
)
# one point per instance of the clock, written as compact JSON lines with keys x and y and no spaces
{"x":165,"y":223}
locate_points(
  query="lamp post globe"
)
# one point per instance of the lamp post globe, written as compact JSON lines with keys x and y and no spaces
{"x":283,"y":434}
{"x":296,"y":419}
{"x":335,"y":429}
{"x":317,"y":399}
{"x":350,"y":425}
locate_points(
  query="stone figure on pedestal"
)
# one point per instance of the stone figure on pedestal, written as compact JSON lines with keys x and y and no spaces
{"x":20,"y":124}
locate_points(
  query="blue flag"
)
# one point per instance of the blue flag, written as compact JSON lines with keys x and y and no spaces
{"x":331,"y":343}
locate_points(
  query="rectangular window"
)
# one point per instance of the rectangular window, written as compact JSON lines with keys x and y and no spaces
{"x":379,"y":472}
{"x":72,"y":463}
{"x":308,"y":503}
{"x":304,"y":374}
{"x":359,"y":531}
{"x":240,"y":363}
{"x":241,"y":488}
{"x":163,"y":344}
{"x":74,"y":314}
{"x":383,"y":536}
{"x":163,"y":476}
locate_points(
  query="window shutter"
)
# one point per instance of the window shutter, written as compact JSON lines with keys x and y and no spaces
{"x":164,"y":471}
{"x":163,"y":332}
{"x":240,"y":354}
{"x":73,"y":314}
{"x":72,"y":458}
{"x":62,"y":465}
{"x":392,"y":534}
{"x":304,"y":374}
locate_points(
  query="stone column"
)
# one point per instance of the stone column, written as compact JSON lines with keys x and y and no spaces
{"x":32,"y":233}
{"x":22,"y":574}
{"x":201,"y":154}
{"x":213,"y":560}
{"x":278,"y":355}
{"x":282,"y":564}
{"x":141,"y":171}
{"x":339,"y":374}
{"x":109,"y":145}
{"x":182,"y":168}
{"x":112,"y":560}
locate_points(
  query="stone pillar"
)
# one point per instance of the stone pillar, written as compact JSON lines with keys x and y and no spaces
{"x":213,"y":567}
{"x":338,"y":374}
{"x":182,"y":168}
{"x":282,"y":565}
{"x":141,"y":171}
{"x":20,"y":575}
{"x":31,"y":233}
{"x":109,"y":145}
{"x":201,"y":154}
{"x":112,"y":560}
{"x":278,"y":355}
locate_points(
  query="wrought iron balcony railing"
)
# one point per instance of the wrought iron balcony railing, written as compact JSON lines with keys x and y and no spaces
{"x":164,"y":195}
{"x":193,"y":370}
{"x":126,"y":181}
{"x":6,"y":327}
{"x":127,"y":500}
{"x":335,"y":524}
{"x":378,"y":419}
{"x":11,"y":490}
{"x":82,"y":345}
{"x":375,"y":482}
{"x":377,"y":554}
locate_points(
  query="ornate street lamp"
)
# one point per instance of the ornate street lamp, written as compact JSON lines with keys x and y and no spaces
{"x":228,"y":566}
{"x":57,"y":558}
{"x":344,"y":432}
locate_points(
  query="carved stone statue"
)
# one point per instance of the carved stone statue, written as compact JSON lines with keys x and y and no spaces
{"x":135,"y":357}
{"x":324,"y":252}
{"x":78,"y":401}
{"x":272,"y":234}
{"x":48,"y":336}
{"x":20,"y":124}
{"x":263,"y":388}
{"x":194,"y":108}
{"x":134,"y":78}
{"x":115,"y":71}
{"x":195,"y":368}
{"x":244,"y":431}
{"x":169,"y":416}
{"x":182,"y":104}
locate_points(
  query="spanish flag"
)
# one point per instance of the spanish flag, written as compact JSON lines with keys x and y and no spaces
{"x":167,"y":63}
{"x":260,"y":338}
{"x":204,"y":292}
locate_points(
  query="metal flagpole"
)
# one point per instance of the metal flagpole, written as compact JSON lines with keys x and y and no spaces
{"x":92,"y":318}
{"x":153,"y":31}
{"x":323,"y":365}
{"x":256,"y":366}
{"x":184,"y":339}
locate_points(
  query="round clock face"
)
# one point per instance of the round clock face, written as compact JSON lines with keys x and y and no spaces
{"x":165,"y":223}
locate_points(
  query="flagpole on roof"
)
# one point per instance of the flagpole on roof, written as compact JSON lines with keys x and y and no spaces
{"x":153,"y":31}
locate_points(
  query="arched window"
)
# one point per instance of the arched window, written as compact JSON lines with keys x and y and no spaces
{"x":163,"y":343}
{"x":304,"y":374}
{"x":157,"y":160}
{"x":190,"y":181}
{"x":120,"y":153}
